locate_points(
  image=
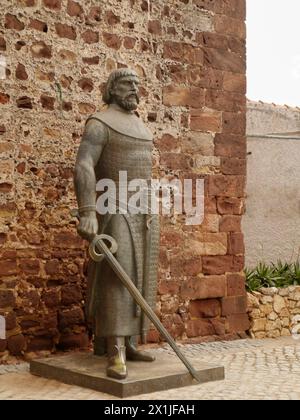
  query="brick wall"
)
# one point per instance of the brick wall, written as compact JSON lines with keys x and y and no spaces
{"x":190,"y":55}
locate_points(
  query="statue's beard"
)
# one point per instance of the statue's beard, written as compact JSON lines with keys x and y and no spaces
{"x":129,"y":103}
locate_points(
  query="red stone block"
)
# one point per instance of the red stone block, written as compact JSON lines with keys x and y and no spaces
{"x":235,"y":82}
{"x":8,"y":268}
{"x":74,"y":9}
{"x":70,"y":341}
{"x":86,"y":84}
{"x":95,"y":13}
{"x":111,"y":18}
{"x":16,"y":344}
{"x":167,"y":287}
{"x":51,"y":297}
{"x":175,"y":161}
{"x":210,"y":5}
{"x":236,"y":244}
{"x":112,"y":40}
{"x":217,"y":265}
{"x":185,"y":266}
{"x":167,"y":143}
{"x":70,"y":317}
{"x":153,"y":336}
{"x":47,"y":102}
{"x":206,"y":121}
{"x":2,"y":44}
{"x":71,"y":294}
{"x":207,"y":287}
{"x":238,"y":263}
{"x":219,"y":326}
{"x":52,"y":267}
{"x":91,"y":60}
{"x":233,"y":166}
{"x":7,"y":298}
{"x":177,"y":73}
{"x":236,"y":285}
{"x":224,"y":60}
{"x":192,"y":266}
{"x":235,"y":9}
{"x":230,"y":26}
{"x":65,"y":31}
{"x":234,"y":305}
{"x":154,"y":27}
{"x":226,"y":186}
{"x":174,"y":324}
{"x":11,"y":320}
{"x":24,"y":102}
{"x":129,"y":42}
{"x":234,"y":123}
{"x":3,"y":345}
{"x":90,"y":37}
{"x":21,"y":73}
{"x":205,"y":77}
{"x":29,"y":266}
{"x":12,"y":22}
{"x":209,"y":308}
{"x":38,"y":25}
{"x":52,"y":4}
{"x":230,"y":223}
{"x":4,"y":98}
{"x":41,"y":50}
{"x":212,"y":40}
{"x":238,"y":323}
{"x":230,"y":145}
{"x":199,"y":328}
{"x":39,"y":343}
{"x":182,"y":96}
{"x":182,"y":52}
{"x":65,"y":239}
{"x":225,"y":101}
{"x":5,"y":187}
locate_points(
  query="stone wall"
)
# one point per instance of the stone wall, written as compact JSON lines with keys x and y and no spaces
{"x":190,"y":55}
{"x":274,"y":312}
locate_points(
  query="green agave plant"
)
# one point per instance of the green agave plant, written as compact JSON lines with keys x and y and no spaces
{"x":280,"y":275}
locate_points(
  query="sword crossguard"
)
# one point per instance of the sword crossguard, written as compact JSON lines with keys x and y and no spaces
{"x":96,"y":256}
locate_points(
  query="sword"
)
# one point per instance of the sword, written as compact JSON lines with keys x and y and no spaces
{"x":98,"y":244}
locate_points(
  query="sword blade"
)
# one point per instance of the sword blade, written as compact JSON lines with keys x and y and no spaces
{"x":138,"y":298}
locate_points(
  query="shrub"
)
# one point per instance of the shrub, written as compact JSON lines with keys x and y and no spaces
{"x":278,"y":275}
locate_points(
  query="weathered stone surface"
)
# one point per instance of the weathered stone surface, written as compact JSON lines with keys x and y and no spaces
{"x":204,"y":287}
{"x":275,"y":308}
{"x":194,"y":64}
{"x":279,"y":304}
{"x":89,"y":371}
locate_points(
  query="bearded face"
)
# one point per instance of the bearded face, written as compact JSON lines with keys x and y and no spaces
{"x":125,"y":93}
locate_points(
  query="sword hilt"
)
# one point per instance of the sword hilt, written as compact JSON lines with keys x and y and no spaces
{"x":96,"y":256}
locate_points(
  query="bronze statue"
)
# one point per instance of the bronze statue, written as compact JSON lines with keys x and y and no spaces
{"x":116,"y":140}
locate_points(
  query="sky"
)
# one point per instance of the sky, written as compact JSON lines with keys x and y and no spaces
{"x":273,"y":51}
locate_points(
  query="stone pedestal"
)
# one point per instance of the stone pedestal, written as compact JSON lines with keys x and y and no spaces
{"x":88,"y":371}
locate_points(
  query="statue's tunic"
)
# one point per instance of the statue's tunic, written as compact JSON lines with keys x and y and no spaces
{"x":128,"y":147}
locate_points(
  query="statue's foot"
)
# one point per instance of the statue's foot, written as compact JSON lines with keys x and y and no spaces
{"x":116,"y":352}
{"x":136,"y":355}
{"x":116,"y":369}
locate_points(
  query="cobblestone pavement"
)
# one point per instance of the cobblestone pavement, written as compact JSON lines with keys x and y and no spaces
{"x":254,"y":369}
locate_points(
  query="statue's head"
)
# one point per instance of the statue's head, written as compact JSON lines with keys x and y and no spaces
{"x":122,"y":89}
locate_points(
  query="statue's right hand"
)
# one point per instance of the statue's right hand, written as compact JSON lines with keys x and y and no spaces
{"x":88,"y":227}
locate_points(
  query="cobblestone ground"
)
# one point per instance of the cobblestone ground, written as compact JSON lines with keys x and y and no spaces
{"x":255,"y":369}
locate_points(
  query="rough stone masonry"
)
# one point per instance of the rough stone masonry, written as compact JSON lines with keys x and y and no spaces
{"x":190,"y":55}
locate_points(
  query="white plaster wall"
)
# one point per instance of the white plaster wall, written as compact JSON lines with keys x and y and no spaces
{"x":272,"y":221}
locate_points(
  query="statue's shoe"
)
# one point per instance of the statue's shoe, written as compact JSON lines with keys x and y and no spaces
{"x":138,"y":356}
{"x":116,"y":368}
